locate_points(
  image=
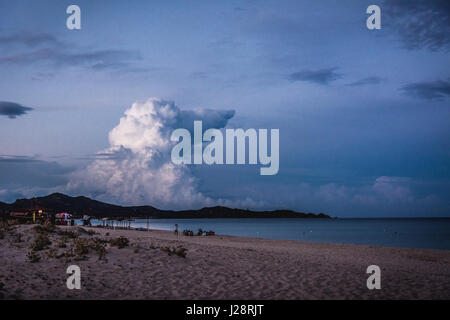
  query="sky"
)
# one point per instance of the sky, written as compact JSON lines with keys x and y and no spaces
{"x":363,"y":114}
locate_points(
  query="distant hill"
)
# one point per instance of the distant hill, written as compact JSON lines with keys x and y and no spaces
{"x":59,"y":202}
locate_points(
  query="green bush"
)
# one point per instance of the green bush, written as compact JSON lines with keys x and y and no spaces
{"x":179,"y":251}
{"x":99,"y":245}
{"x":120,"y":242}
{"x":17,"y":238}
{"x":68,"y":234}
{"x":62,"y":243}
{"x":52,"y":253}
{"x":12,"y":222}
{"x":80,"y":248}
{"x":40,"y":242}
{"x":44,"y":229}
{"x":33,"y":257}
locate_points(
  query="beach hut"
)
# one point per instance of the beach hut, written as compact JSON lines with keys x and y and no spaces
{"x":63,"y":215}
{"x":63,"y":218}
{"x":19,"y":214}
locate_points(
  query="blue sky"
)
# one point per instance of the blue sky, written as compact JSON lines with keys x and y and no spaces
{"x":363,"y":114}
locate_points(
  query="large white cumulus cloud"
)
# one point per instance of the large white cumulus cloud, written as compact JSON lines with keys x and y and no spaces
{"x":136,"y":169}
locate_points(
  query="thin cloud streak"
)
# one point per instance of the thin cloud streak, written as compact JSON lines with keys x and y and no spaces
{"x":435,"y":90}
{"x":322,"y":76}
{"x":28,"y":39}
{"x":366,"y":81}
{"x":47,"y":49}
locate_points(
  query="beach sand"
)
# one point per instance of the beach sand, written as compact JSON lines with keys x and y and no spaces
{"x":218,"y":267}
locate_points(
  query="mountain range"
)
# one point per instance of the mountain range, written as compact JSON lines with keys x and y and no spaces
{"x":58,"y":202}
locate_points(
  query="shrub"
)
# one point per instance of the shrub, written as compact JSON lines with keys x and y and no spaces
{"x":153,"y":246}
{"x":179,"y":251}
{"x":80,"y":249}
{"x":68,"y":254}
{"x":18,"y":238}
{"x":6,"y":225}
{"x":12,"y":222}
{"x":47,"y":227}
{"x":91,"y":232}
{"x":39,"y":229}
{"x":120,"y":242}
{"x":3,"y":225}
{"x":62,"y":243}
{"x":40,"y":242}
{"x":69,"y":234}
{"x":33,"y":257}
{"x":52,"y":253}
{"x":166,"y":249}
{"x":99,"y":245}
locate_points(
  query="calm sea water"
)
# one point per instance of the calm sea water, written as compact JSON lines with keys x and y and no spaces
{"x":412,"y":233}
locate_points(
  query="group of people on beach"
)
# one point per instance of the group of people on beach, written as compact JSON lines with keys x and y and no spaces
{"x":191,"y":233}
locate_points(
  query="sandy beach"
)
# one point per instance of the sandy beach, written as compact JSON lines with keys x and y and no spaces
{"x":215,"y":267}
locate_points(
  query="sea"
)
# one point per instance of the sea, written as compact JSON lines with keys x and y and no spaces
{"x":430,"y":233}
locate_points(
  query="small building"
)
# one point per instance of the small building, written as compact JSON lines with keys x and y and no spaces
{"x":20,"y":214}
{"x":30,"y":213}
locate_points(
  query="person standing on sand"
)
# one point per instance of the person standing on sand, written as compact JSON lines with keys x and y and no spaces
{"x":176,"y":228}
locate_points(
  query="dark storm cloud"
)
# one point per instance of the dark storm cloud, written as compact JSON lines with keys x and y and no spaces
{"x":24,"y":176}
{"x":30,"y":171}
{"x":420,"y":23}
{"x":322,"y":76}
{"x":28,"y":39}
{"x":12,"y":110}
{"x":366,"y":81}
{"x":428,"y":90}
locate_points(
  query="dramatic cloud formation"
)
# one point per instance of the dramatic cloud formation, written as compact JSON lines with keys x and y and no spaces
{"x":366,"y":81}
{"x":137,"y":168}
{"x":322,"y":76}
{"x":12,"y":110}
{"x":419,"y":23}
{"x":428,"y":90}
